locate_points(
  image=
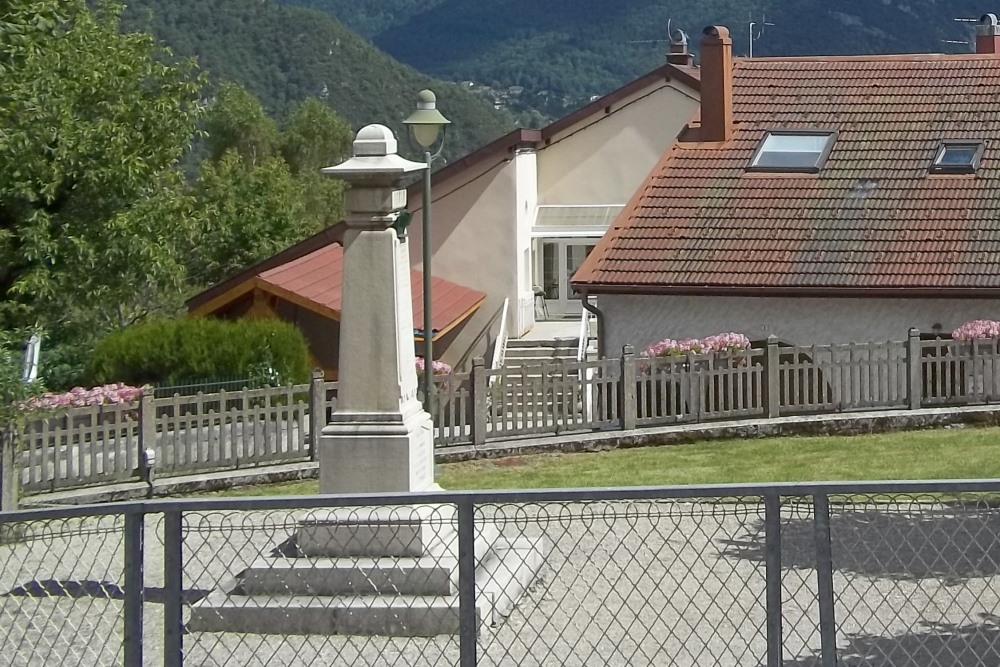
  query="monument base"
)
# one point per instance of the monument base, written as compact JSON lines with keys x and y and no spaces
{"x":375,"y":453}
{"x":338,"y":579}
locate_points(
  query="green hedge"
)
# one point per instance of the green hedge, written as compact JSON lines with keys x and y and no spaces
{"x":183,"y":350}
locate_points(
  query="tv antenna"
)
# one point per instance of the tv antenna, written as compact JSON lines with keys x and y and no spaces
{"x":961,"y":42}
{"x":753,"y":38}
{"x":654,"y":41}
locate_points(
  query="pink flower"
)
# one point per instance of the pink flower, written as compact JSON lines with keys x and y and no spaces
{"x":721,"y":342}
{"x":437,"y":367}
{"x":977,"y":330}
{"x":110,"y":394}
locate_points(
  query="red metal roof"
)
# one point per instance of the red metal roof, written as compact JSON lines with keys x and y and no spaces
{"x":872,"y":219}
{"x":318,"y":277}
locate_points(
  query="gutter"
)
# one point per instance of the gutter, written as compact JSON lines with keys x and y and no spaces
{"x":599,"y":314}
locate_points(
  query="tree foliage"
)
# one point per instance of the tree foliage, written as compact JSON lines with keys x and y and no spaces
{"x":285,"y":54}
{"x":578,"y":48}
{"x":261,"y":189}
{"x":178,"y":350}
{"x":92,"y":124}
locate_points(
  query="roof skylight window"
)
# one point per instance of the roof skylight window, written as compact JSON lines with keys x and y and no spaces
{"x":797,"y":151}
{"x":957,"y":157}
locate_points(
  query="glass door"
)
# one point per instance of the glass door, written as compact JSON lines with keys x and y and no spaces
{"x":559,"y":260}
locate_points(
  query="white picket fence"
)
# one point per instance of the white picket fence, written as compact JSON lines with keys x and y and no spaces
{"x":259,"y":427}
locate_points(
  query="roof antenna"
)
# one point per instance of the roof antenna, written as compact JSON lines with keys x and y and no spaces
{"x":763,"y":24}
{"x":963,"y":42}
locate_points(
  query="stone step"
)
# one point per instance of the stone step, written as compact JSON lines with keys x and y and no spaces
{"x":432,"y":574}
{"x":540,"y":353}
{"x":569,"y":343}
{"x":502,"y":577}
{"x":408,"y":531}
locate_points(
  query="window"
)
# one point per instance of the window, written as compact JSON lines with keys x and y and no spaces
{"x":957,"y":157}
{"x":793,"y":151}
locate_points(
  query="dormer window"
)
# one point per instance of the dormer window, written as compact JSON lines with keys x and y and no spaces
{"x":795,"y":151}
{"x":957,"y":157}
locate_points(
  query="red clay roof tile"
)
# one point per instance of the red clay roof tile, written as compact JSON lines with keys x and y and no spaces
{"x":318,"y":277}
{"x":872,"y":218}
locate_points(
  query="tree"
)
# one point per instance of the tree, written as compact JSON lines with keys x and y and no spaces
{"x":315,"y":137}
{"x":246,"y":213}
{"x":236,"y":120}
{"x":261,"y":189}
{"x":92,"y":125}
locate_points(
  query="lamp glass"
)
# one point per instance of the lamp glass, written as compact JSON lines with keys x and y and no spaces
{"x":427,"y":134}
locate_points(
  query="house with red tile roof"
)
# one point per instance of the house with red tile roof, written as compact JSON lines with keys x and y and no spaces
{"x":818,"y":199}
{"x":519,"y":213}
{"x":303,"y":285}
{"x":523,"y":212}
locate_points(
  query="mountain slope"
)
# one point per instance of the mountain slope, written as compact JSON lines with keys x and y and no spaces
{"x":578,"y":48}
{"x":283,"y":54}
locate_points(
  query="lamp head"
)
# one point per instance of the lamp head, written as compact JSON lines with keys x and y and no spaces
{"x":426,"y":122}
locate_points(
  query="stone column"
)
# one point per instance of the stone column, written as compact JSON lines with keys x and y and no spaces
{"x":379,"y":439}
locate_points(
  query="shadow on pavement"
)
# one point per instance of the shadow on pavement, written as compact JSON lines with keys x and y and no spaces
{"x":973,"y":645}
{"x":951,"y":543}
{"x":86,"y":588}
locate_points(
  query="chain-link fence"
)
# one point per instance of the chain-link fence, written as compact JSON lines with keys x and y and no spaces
{"x":874,"y":574}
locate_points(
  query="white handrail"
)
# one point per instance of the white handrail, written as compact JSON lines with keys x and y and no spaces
{"x":584,"y":342}
{"x":500,"y":348}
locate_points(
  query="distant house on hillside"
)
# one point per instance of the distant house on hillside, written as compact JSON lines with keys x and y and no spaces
{"x":819,"y":199}
{"x":303,"y":284}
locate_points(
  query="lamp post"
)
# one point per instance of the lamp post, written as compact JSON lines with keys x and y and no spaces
{"x":426,"y":125}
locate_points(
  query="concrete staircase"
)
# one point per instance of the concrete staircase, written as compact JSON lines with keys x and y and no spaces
{"x":527,"y":360}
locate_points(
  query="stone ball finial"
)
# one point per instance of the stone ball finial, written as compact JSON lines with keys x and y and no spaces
{"x":375,"y":141}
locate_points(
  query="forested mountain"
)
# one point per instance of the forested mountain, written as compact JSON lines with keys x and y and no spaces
{"x":577,"y":48}
{"x":283,"y":54}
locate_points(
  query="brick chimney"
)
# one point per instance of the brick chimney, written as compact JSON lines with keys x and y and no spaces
{"x":988,"y":34}
{"x":716,"y":84}
{"x":679,"y":53}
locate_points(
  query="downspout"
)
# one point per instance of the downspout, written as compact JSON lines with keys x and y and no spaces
{"x":591,"y":308}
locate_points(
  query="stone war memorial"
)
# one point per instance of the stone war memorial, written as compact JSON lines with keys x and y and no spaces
{"x":382,"y":570}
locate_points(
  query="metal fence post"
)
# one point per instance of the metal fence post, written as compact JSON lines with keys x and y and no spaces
{"x":134,"y":585}
{"x":772,"y":377}
{"x":824,"y":581}
{"x":914,"y":372}
{"x":10,"y":471}
{"x":468,"y":615}
{"x":626,"y":395}
{"x":480,"y":406}
{"x":772,"y":574}
{"x":173,"y":590}
{"x":317,"y":410}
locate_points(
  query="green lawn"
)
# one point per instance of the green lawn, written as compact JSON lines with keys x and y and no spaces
{"x":958,"y":453}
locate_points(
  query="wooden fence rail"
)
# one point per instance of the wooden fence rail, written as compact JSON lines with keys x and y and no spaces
{"x":231,"y":430}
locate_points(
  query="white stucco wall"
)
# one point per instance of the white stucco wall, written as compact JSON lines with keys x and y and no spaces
{"x":473,"y":239}
{"x":641,"y":320}
{"x":603,"y":159}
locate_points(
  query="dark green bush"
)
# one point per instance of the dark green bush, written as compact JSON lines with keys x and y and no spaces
{"x":182,"y":350}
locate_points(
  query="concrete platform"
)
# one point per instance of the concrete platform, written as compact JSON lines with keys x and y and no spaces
{"x":404,"y":596}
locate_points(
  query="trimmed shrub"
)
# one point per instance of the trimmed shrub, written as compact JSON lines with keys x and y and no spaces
{"x":188,"y":349}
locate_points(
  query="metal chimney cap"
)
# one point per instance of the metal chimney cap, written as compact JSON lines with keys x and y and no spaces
{"x":716,"y":32}
{"x":988,"y":25}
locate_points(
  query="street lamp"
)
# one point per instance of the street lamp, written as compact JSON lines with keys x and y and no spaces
{"x":427,"y":124}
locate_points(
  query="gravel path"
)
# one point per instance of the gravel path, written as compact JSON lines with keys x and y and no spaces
{"x":624,"y":584}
